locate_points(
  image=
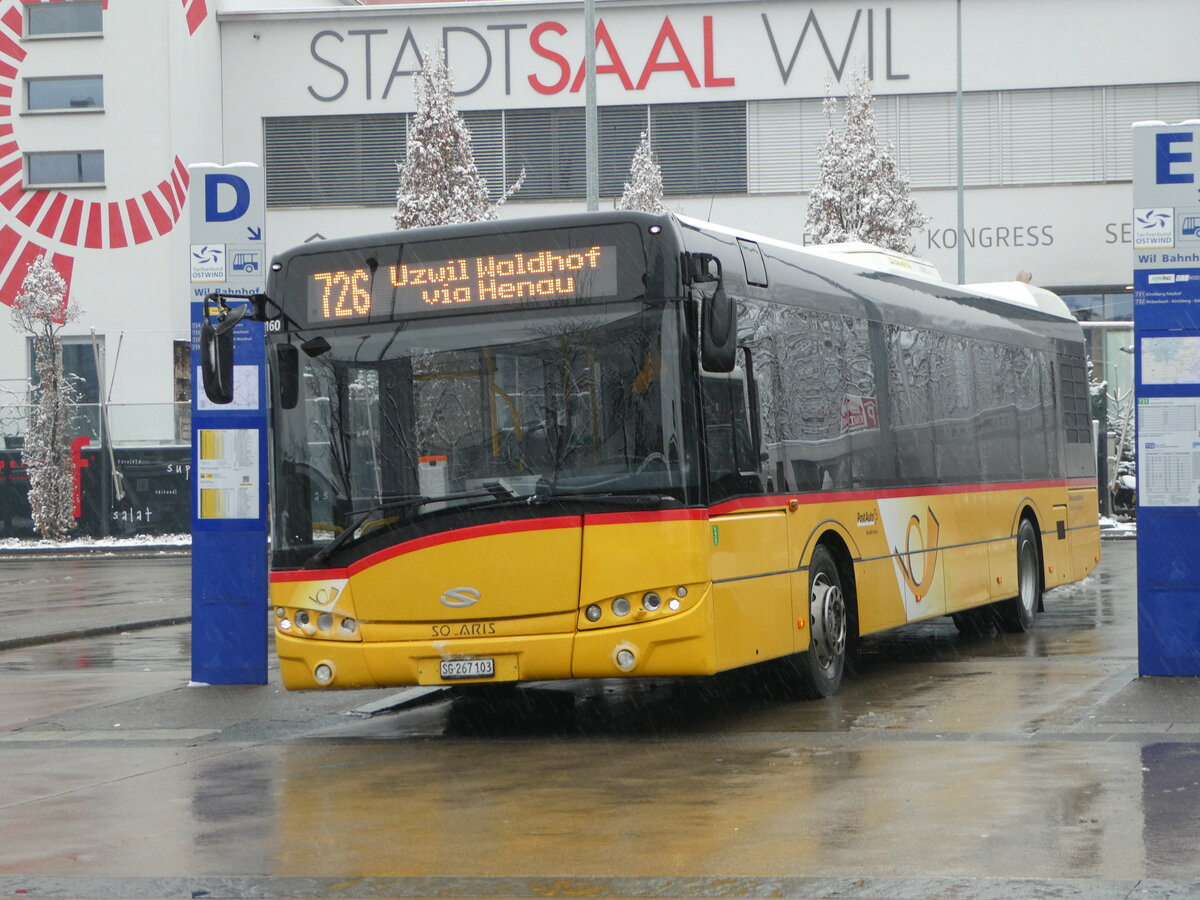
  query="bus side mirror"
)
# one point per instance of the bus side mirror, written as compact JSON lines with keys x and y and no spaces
{"x":216,"y":349}
{"x":718,"y":332}
{"x":718,"y":314}
{"x":287,"y":369}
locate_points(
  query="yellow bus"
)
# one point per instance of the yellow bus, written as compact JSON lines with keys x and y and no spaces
{"x":610,"y":445}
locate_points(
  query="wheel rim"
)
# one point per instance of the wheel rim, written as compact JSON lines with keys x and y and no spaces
{"x":828,"y":611}
{"x":1027,"y":575}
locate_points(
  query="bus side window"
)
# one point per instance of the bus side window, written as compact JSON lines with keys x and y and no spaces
{"x":734,"y":460}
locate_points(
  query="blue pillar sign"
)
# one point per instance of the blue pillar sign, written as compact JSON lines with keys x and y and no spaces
{"x":1166,"y":318}
{"x":227,"y":255}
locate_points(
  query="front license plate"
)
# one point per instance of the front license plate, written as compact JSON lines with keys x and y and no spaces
{"x":479,"y":667}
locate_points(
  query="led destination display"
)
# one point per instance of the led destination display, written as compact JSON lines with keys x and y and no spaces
{"x":463,"y":283}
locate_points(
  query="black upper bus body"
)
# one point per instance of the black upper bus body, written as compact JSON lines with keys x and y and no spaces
{"x":848,"y":376}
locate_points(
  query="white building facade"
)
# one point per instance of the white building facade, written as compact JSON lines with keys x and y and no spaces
{"x":104,"y":103}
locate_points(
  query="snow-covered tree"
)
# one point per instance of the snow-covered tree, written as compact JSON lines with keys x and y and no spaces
{"x":862,"y":195}
{"x":439,"y":183}
{"x":40,"y":310}
{"x":644,"y":190}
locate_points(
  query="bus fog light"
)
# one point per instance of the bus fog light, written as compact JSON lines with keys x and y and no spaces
{"x":651,"y":601}
{"x":325,"y":622}
{"x":621,"y":606}
{"x":681,"y":591}
{"x":593,"y":613}
{"x":323,"y":673}
{"x":280,"y":612}
{"x":625,"y":659}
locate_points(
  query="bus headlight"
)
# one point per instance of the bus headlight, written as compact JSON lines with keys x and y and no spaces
{"x":620,"y":606}
{"x":651,"y":601}
{"x":593,"y":613}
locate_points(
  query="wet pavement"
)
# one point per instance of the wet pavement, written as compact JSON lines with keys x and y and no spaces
{"x":965,"y":766}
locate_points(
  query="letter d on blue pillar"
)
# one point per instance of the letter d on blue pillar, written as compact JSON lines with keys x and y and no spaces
{"x":225,"y":205}
{"x":229,"y":441}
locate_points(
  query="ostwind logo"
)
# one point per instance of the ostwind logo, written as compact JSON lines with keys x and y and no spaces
{"x":1154,"y":227}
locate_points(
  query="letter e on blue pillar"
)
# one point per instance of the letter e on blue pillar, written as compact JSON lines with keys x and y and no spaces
{"x":1165,"y":161}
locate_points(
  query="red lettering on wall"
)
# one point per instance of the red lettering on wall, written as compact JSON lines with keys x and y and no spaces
{"x":680,"y":64}
{"x":710,"y":78}
{"x":564,"y":68}
{"x":614,"y":67}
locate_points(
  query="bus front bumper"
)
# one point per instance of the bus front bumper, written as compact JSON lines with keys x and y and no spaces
{"x":678,"y":645}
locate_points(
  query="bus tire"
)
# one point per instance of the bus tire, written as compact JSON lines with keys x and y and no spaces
{"x":1017,"y":614}
{"x":819,"y":669}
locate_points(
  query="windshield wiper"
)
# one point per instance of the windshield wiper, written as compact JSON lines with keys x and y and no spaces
{"x":649,"y":501}
{"x":398,"y":502}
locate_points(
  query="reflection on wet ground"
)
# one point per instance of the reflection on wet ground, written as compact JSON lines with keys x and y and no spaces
{"x":948,"y":761}
{"x":158,"y":649}
{"x":926,"y":677}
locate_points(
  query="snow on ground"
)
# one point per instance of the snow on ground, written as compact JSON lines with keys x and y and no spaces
{"x":103,"y":543}
{"x":1118,"y":528}
{"x":1109,"y":527}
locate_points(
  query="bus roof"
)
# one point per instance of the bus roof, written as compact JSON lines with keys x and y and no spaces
{"x":861,"y":255}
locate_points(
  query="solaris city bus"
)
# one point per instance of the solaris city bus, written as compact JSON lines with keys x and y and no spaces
{"x":616,"y":444}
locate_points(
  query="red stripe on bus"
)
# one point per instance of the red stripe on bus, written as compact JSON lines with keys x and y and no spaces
{"x":777,"y":500}
{"x":630,"y":518}
{"x":516,"y":526}
{"x":640,"y":518}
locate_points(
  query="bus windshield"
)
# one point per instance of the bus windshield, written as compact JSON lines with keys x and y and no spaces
{"x":395,"y":425}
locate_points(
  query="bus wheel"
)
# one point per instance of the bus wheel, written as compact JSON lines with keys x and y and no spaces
{"x":820,"y":667}
{"x":1017,"y":613}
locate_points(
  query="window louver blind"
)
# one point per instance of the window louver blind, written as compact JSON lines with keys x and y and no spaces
{"x":701,"y":147}
{"x":1051,"y":136}
{"x":487,"y":147}
{"x":927,"y":138}
{"x":620,"y":129}
{"x":549,"y":144}
{"x":332,"y":160}
{"x":1129,"y":103}
{"x":783,"y":142}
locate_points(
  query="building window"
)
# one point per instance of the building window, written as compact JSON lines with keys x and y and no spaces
{"x":333,"y":160}
{"x":314,"y":161}
{"x":549,"y":144}
{"x":64,"y":94}
{"x":1115,"y":307}
{"x":701,"y":147}
{"x":80,"y":355}
{"x":80,"y":17}
{"x":70,"y":167}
